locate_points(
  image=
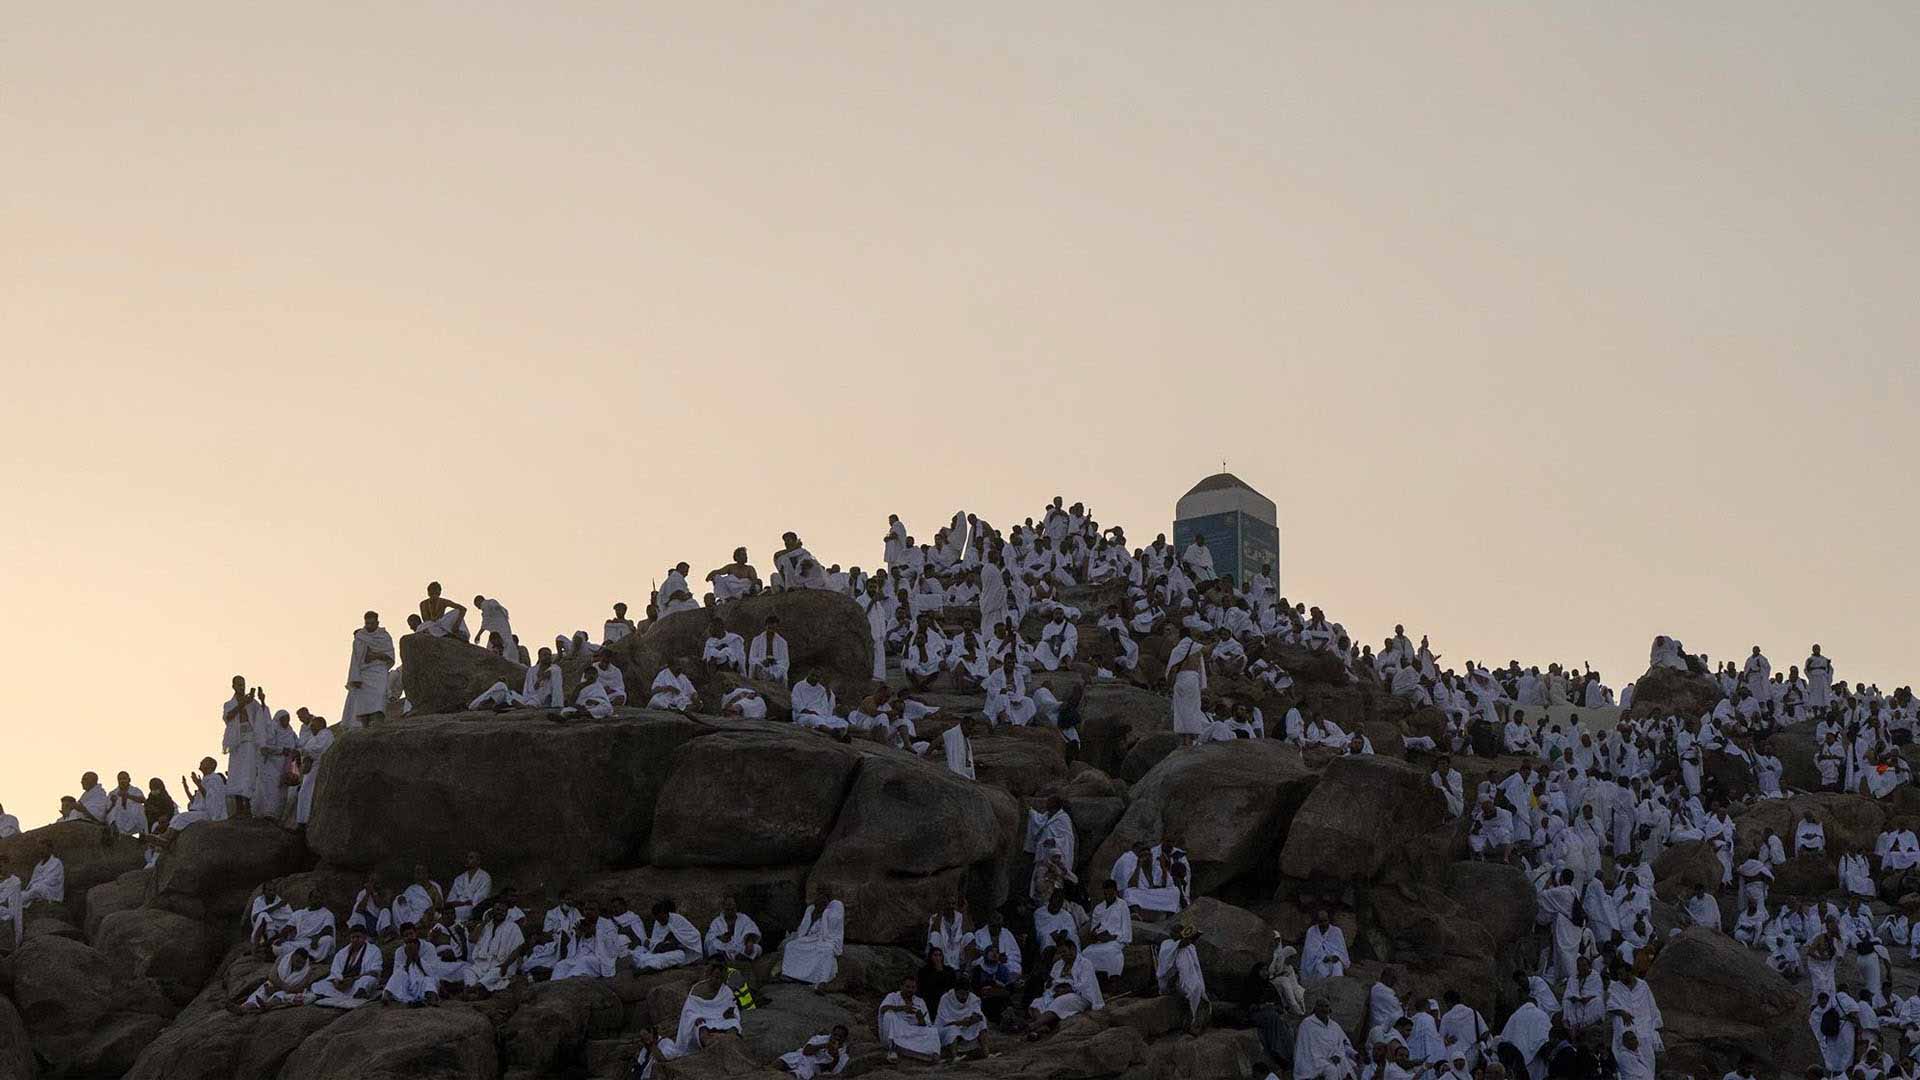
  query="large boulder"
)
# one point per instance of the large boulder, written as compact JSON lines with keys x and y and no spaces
{"x":1852,"y":823}
{"x":1682,"y":867}
{"x":1114,"y":717}
{"x":16,"y":1053}
{"x":826,"y":632}
{"x":90,"y":856}
{"x":571,"y":798}
{"x":176,"y":952}
{"x":1721,"y":1001}
{"x":765,"y":796}
{"x":214,"y":1044}
{"x":1233,"y":941}
{"x":1228,"y":804}
{"x":452,"y":1042}
{"x":212,"y":868}
{"x":124,"y":893}
{"x":910,"y":836}
{"x":444,"y":675}
{"x":1222,"y":1054}
{"x":83,"y":1017}
{"x":1664,"y":692}
{"x":554,"y":1023}
{"x":1357,"y":817}
{"x":1021,"y":760}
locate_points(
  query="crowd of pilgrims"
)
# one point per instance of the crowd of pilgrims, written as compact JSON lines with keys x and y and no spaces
{"x":1584,"y":815}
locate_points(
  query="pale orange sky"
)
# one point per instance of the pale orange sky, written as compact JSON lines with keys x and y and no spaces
{"x":1547,"y":330}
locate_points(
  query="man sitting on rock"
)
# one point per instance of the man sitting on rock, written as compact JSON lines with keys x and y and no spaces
{"x":710,"y":1010}
{"x":734,"y":580}
{"x":286,"y":984}
{"x":418,"y":972}
{"x":906,"y":1026}
{"x":355,"y":976}
{"x":1072,"y":987}
{"x":814,"y":707}
{"x":823,"y":1055}
{"x":732,"y":935}
{"x":591,"y":701}
{"x":767,"y":653}
{"x":540,"y":688}
{"x":666,"y":939}
{"x":724,"y":650}
{"x":498,"y":948}
{"x":311,"y":928}
{"x":672,"y":690}
{"x":1323,"y":954}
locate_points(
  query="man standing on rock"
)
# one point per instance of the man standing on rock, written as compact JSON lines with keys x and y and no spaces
{"x":244,"y":715}
{"x":368,"y":667}
{"x":494,"y":620}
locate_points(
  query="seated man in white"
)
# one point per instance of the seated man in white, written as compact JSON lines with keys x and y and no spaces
{"x":127,"y":806}
{"x":1109,"y":931}
{"x":676,"y":602}
{"x":744,"y":702}
{"x":310,"y":928}
{"x":356,"y":975}
{"x":1007,"y":700}
{"x":590,"y":701}
{"x":1323,"y":955}
{"x":724,"y":649}
{"x":767,"y":653}
{"x":822,"y":1055}
{"x":906,"y":1026}
{"x":48,"y":882}
{"x":1145,"y":881}
{"x":811,"y":953}
{"x":592,"y":949}
{"x":710,"y":1010}
{"x":672,"y":691}
{"x":732,"y":935}
{"x":372,"y":910}
{"x":499,"y":944}
{"x":420,"y":896}
{"x":962,"y":1022}
{"x":666,"y":939}
{"x":608,"y":674}
{"x":1072,"y":987}
{"x":617,"y":628}
{"x":813,"y":706}
{"x":1059,"y":643}
{"x":418,"y":971}
{"x":541,"y":687}
{"x":286,"y":983}
{"x":472,"y":888}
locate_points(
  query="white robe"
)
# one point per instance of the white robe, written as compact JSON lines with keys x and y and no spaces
{"x":670,"y":943}
{"x":811,"y":954}
{"x":243,"y":720}
{"x":413,"y":980}
{"x":1177,"y":966}
{"x":1188,"y":719}
{"x":912,"y":1031}
{"x":490,"y":966}
{"x":1070,"y":991}
{"x":1109,"y":957}
{"x":960,"y":1023}
{"x":471,"y":888}
{"x":732,"y":946}
{"x":315,"y":747}
{"x":370,"y":672}
{"x":351,"y":974}
{"x":721,"y":1012}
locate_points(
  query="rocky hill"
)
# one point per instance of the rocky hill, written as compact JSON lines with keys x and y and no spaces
{"x":131,"y":976}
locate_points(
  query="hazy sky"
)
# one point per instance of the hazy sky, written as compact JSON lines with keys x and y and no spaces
{"x":1547,"y":329}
